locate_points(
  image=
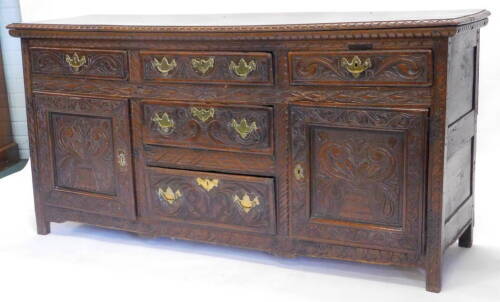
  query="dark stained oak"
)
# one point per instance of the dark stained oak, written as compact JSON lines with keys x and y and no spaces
{"x":335,"y":135}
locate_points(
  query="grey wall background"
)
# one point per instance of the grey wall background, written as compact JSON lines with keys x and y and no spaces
{"x":11,"y":52}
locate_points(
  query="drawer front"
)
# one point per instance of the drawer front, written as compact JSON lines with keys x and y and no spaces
{"x":363,"y":68}
{"x":208,"y":67}
{"x":110,"y":64}
{"x":214,"y":127}
{"x":223,"y":200}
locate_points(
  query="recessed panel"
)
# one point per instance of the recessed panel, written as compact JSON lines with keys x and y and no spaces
{"x":357,"y":175}
{"x":83,"y":153}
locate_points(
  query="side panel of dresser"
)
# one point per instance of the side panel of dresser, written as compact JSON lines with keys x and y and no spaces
{"x":461,"y":138}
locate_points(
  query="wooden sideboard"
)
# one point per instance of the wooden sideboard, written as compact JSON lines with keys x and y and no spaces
{"x":345,"y":136}
{"x":9,"y":152}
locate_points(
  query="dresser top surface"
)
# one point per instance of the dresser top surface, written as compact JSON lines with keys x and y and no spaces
{"x":260,"y":22}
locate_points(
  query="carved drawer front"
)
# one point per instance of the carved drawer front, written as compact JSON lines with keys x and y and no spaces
{"x":223,"y":200}
{"x":107,"y":64}
{"x":384,"y":68}
{"x":208,"y":126}
{"x":208,"y":67}
{"x":84,"y":154}
{"x":358,"y":176}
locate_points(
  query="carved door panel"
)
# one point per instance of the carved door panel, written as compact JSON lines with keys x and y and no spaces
{"x":84,"y":154}
{"x":358,"y":176}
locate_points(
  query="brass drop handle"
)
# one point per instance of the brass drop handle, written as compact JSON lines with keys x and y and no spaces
{"x":164,"y":66}
{"x":75,"y":61}
{"x":164,"y":122}
{"x":245,"y":202}
{"x":168,"y":195}
{"x":203,"y":114}
{"x":242,"y":69}
{"x":202,"y":65}
{"x":356,"y":66}
{"x":243,"y":128}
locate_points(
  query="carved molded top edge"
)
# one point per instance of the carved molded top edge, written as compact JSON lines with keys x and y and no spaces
{"x":261,"y":22}
{"x":377,"y":29}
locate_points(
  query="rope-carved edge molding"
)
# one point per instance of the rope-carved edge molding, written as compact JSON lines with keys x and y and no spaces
{"x":346,"y":30}
{"x":260,"y":28}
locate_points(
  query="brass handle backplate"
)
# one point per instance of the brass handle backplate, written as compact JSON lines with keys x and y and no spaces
{"x":164,"y":66}
{"x":164,"y":122}
{"x":203,"y":114}
{"x":242,"y":69}
{"x":169,"y":195}
{"x":356,"y":66}
{"x":207,"y":184}
{"x":246,"y":203}
{"x":75,"y":61}
{"x":243,"y":127}
{"x":203,"y":65}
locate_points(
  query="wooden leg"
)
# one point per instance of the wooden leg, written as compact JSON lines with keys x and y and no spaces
{"x":42,"y":227}
{"x":433,"y":278}
{"x":466,"y":239}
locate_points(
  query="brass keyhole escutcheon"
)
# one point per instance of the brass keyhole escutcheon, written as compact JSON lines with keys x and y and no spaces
{"x":299,"y":172}
{"x":122,"y":159}
{"x":207,"y":184}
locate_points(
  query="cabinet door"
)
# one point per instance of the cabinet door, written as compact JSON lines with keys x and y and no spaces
{"x":358,"y":176}
{"x":84,"y":154}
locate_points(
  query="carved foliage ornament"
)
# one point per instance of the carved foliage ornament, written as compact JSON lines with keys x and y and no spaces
{"x":98,"y":64}
{"x":217,"y":127}
{"x":411,"y":67}
{"x":355,"y":169}
{"x":203,"y":198}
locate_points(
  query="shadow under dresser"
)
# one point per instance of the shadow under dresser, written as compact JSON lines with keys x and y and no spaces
{"x":335,"y":135}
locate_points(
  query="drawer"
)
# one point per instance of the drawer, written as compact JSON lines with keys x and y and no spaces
{"x":208,"y":126}
{"x":208,"y":67}
{"x":108,"y":64}
{"x":223,"y":200}
{"x":363,"y":68}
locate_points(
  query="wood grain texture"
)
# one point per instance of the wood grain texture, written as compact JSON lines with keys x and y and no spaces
{"x":386,"y":68}
{"x":80,"y":148}
{"x":327,"y":164}
{"x":215,"y":131}
{"x":357,"y":164}
{"x":108,"y":64}
{"x":220,"y":73}
{"x":216,"y":205}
